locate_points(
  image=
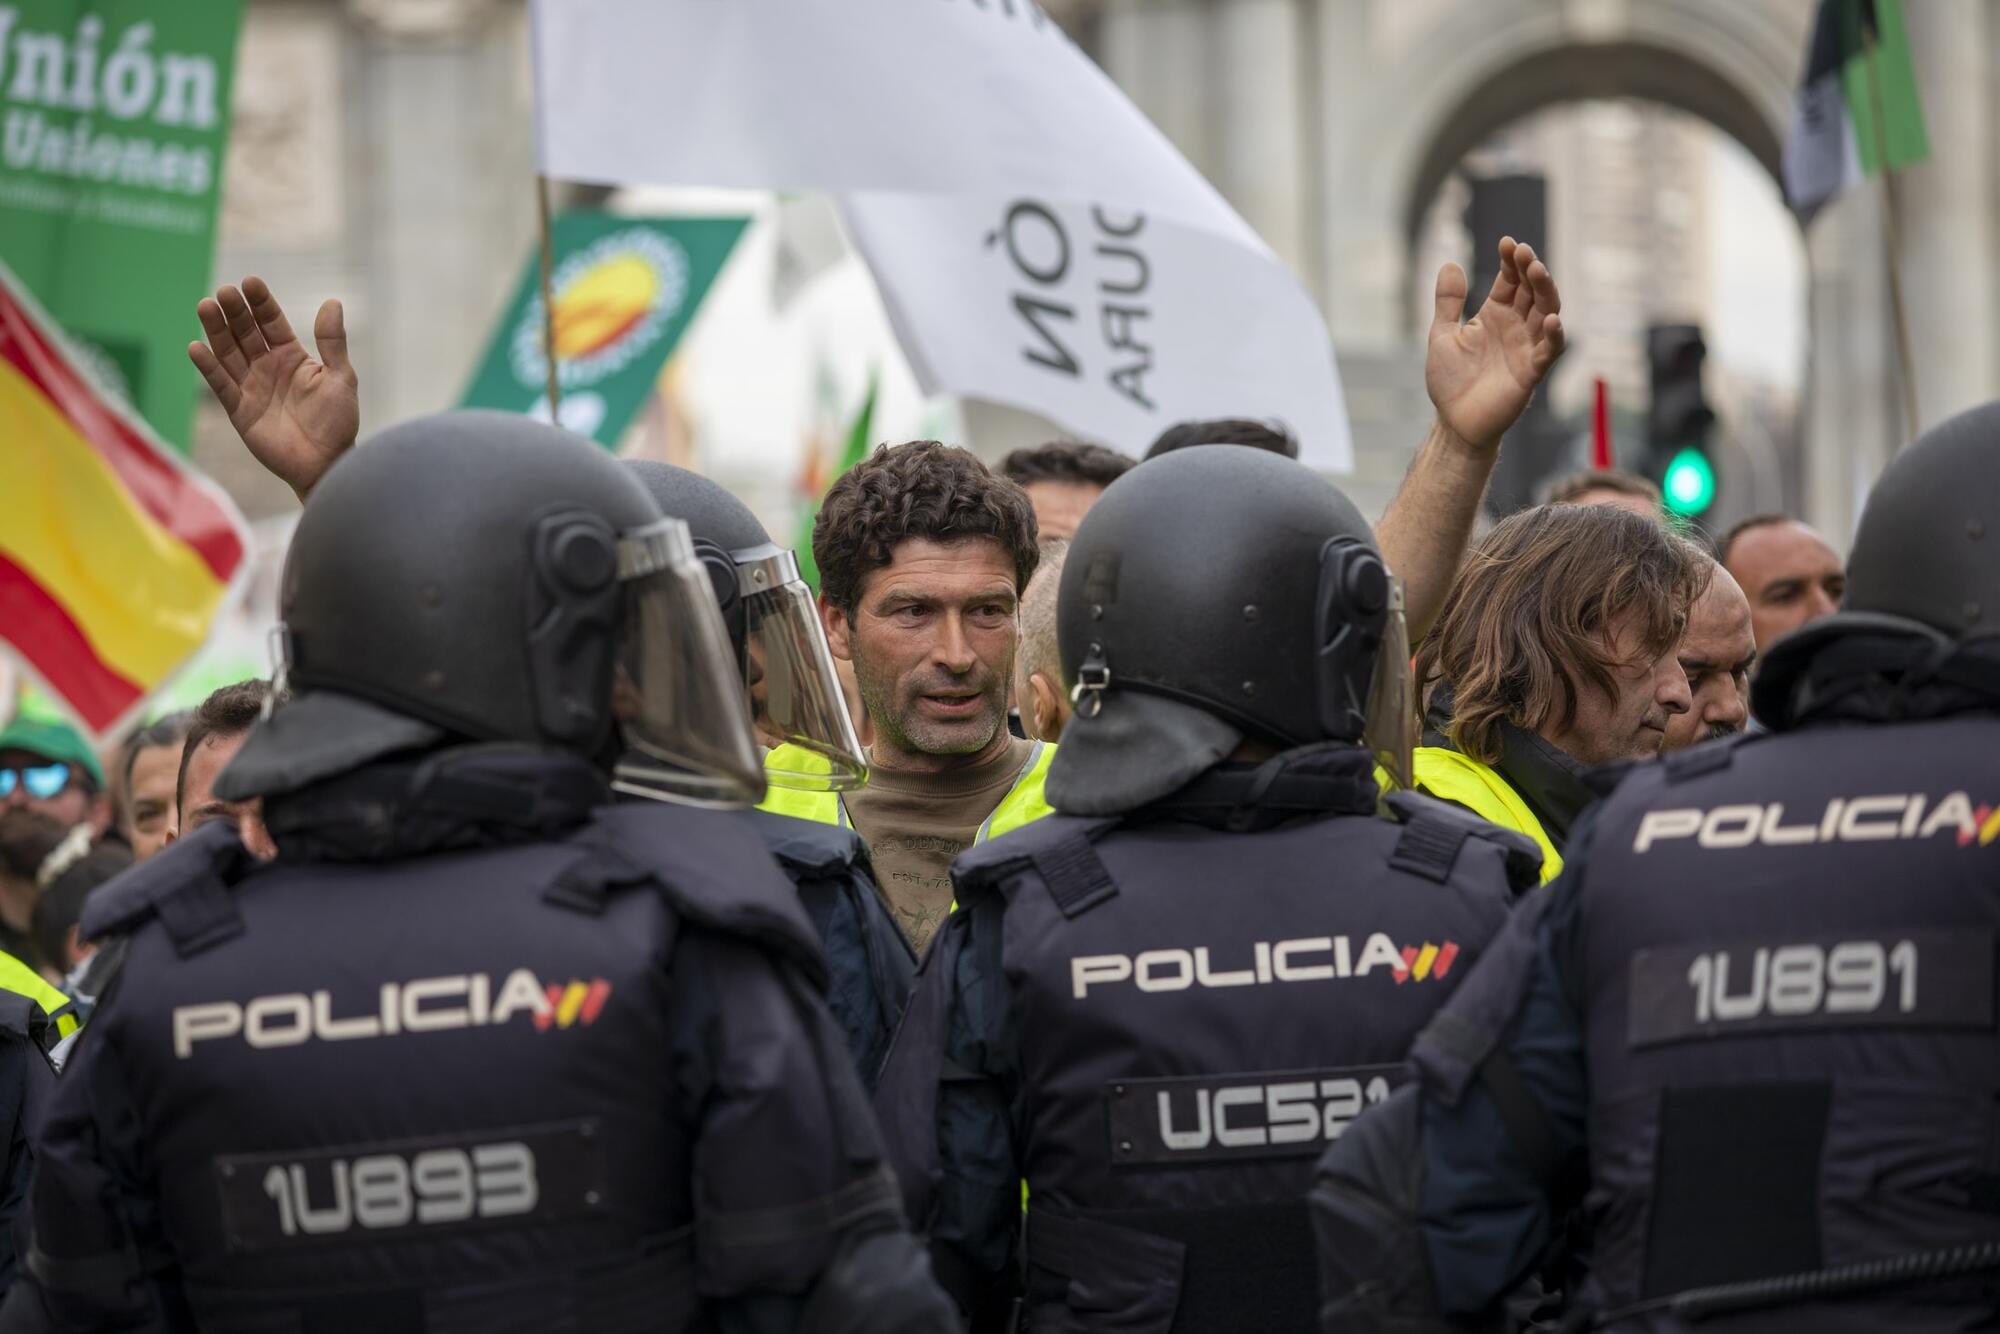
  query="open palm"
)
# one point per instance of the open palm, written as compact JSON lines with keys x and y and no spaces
{"x":296,"y":414}
{"x":1481,"y":372}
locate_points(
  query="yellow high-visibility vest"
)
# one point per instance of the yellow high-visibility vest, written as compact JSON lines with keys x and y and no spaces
{"x":1024,"y":803}
{"x":1453,"y":776}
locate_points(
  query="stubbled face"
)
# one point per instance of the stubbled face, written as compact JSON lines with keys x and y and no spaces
{"x":1629,"y":721}
{"x":1715,"y":654}
{"x":151,"y":798}
{"x":199,"y":805}
{"x":932,"y":639}
{"x":1790,"y":575}
{"x":1060,"y":506}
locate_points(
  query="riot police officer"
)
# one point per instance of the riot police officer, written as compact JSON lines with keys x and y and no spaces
{"x":798,"y":709}
{"x":479,"y":1050}
{"x":1154,"y":1008}
{"x":308,"y":417}
{"x":1752,"y":1023}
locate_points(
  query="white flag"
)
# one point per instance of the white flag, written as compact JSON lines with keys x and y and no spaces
{"x":970,"y":143}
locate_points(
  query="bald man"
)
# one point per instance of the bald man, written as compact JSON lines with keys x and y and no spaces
{"x":1716,"y":653}
{"x":1788,"y":571}
{"x":1038,"y":683}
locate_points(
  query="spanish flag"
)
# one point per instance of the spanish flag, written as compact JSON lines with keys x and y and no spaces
{"x":115,"y":557}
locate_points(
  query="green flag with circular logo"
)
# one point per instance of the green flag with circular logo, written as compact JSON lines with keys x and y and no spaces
{"x":625,"y":289}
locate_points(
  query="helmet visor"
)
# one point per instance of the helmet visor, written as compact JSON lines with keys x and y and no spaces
{"x":795,"y":697}
{"x":677,"y":694}
{"x":1390,"y":730}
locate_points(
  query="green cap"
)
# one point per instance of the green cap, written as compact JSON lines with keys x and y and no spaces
{"x":52,"y":739}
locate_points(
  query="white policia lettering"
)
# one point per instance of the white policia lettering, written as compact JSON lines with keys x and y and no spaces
{"x":422,"y":1005}
{"x":1844,"y":820}
{"x":1293,"y":1113}
{"x":1852,"y":977}
{"x":1307,"y":959}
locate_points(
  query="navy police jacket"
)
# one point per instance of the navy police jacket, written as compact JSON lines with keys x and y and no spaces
{"x":1751,"y":1027}
{"x":478,"y":1051}
{"x":1157,"y":1022}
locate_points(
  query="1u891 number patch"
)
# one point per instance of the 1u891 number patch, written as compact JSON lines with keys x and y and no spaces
{"x":1910,"y":979}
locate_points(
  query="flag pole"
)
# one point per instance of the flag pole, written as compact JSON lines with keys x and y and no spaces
{"x":548,"y":293}
{"x":1905,"y":362}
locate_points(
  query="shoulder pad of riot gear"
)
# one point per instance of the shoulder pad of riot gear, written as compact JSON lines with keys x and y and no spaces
{"x":807,"y":845}
{"x":186,"y":885}
{"x":712,"y":869}
{"x":1058,"y":847}
{"x":1434,"y":831}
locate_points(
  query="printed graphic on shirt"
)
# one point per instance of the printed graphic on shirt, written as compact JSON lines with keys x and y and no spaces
{"x":504,"y":1177}
{"x":1266,"y":1114}
{"x":1907,"y":979}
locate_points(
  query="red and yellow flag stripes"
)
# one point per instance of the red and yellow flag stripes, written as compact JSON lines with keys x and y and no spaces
{"x":114,"y":556}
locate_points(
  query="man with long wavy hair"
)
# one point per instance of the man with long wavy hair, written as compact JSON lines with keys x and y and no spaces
{"x":1556,"y":650}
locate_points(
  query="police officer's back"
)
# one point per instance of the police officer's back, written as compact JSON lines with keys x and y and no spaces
{"x":479,"y":1051}
{"x":796,"y":698}
{"x":1755,"y":1015}
{"x":1157,"y":1006}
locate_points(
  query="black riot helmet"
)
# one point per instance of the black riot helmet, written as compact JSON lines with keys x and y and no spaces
{"x":1215,"y":595}
{"x":478,"y":576}
{"x":1923,"y":584}
{"x":795,"y":695}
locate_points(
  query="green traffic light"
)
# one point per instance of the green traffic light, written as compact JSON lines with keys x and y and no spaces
{"x":1689,"y":483}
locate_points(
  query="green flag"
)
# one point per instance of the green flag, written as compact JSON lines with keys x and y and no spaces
{"x":625,"y":290}
{"x":114,"y":115}
{"x":1857,"y":104}
{"x":856,"y":449}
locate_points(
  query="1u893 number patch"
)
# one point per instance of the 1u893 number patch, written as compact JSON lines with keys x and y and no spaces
{"x":361,"y":1193}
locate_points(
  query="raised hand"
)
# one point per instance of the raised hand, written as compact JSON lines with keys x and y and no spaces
{"x":296,"y":414}
{"x":1482,"y":372}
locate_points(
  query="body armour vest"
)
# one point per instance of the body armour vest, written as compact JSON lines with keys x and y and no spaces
{"x":1199,"y":1010}
{"x":1786,"y":968}
{"x":431,"y":1092}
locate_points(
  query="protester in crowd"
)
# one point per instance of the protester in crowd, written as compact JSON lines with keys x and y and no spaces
{"x":65,"y":883}
{"x":1063,"y":480}
{"x":1609,"y":486}
{"x":1716,"y":655}
{"x":1097,"y":987}
{"x":152,"y":765}
{"x":1273,"y":436}
{"x":922,"y":554}
{"x":217,"y":730}
{"x":1038,"y":678}
{"x":1789,"y":573}
{"x":1754,"y":1019}
{"x":27,"y":840}
{"x":46,"y":766}
{"x":609,"y":1036}
{"x":1556,"y":651}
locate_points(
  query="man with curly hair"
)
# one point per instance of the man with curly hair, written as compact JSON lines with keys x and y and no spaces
{"x":923,"y":554}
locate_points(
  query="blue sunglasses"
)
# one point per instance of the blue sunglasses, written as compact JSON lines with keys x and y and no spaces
{"x":42,"y":781}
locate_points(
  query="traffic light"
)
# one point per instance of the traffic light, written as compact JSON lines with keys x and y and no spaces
{"x":1678,"y":420}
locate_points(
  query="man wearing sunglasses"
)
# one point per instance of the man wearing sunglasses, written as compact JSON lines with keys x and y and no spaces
{"x":47,"y":766}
